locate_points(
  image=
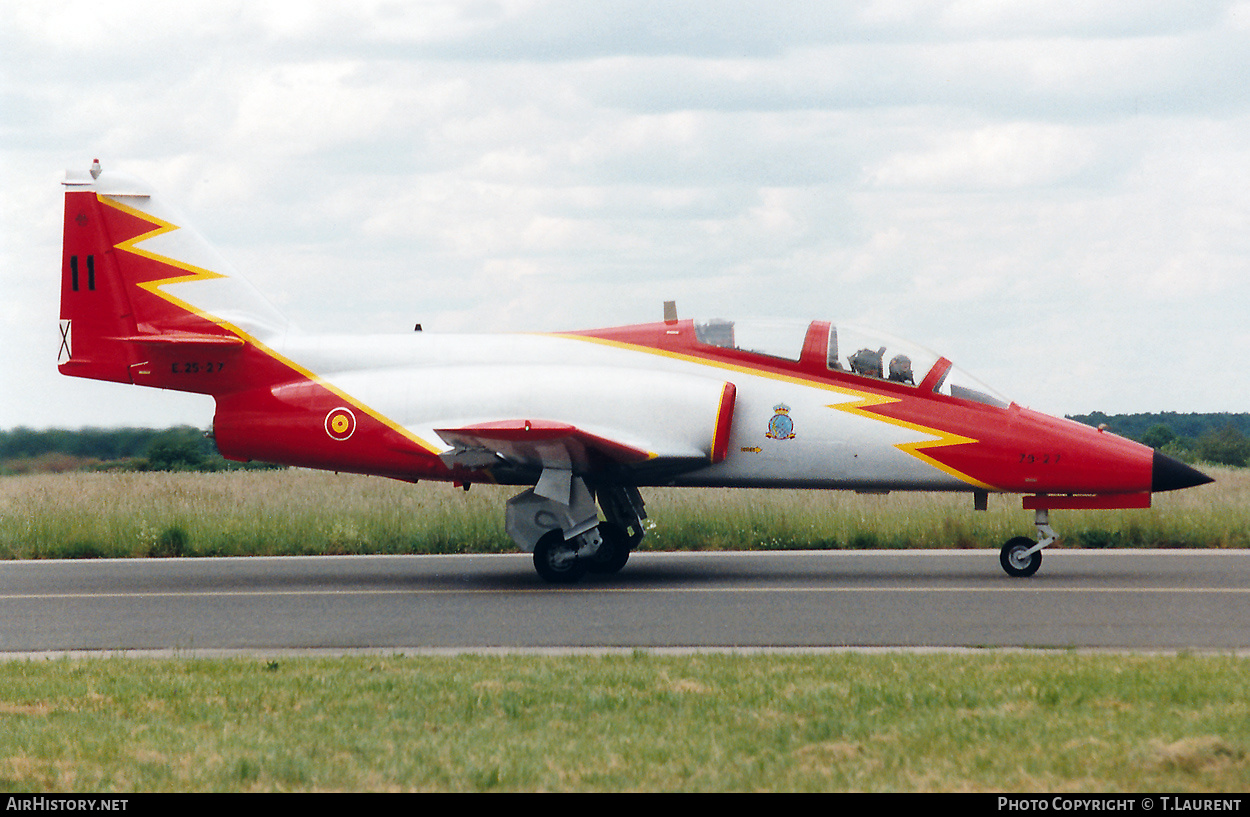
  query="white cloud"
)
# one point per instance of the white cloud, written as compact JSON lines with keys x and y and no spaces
{"x":1012,"y":184}
{"x":999,"y":156}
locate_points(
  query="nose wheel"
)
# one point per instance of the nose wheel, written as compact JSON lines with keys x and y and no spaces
{"x":1021,"y":556}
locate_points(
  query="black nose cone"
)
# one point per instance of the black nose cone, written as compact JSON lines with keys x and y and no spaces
{"x":1172,"y":475}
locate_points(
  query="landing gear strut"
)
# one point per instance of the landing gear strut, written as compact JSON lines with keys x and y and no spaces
{"x":623,"y":529}
{"x":557,"y":521}
{"x":1022,"y":556}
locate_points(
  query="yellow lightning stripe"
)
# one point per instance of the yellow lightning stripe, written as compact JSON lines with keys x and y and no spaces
{"x":864,"y":400}
{"x":162,"y":227}
{"x":944,"y":438}
{"x":197,"y":274}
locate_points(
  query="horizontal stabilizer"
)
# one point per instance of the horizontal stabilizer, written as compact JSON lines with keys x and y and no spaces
{"x":184,"y":341}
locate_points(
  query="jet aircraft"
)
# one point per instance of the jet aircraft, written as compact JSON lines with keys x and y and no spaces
{"x":582,"y":419}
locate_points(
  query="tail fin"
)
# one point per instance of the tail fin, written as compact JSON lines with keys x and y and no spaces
{"x":144,"y":298}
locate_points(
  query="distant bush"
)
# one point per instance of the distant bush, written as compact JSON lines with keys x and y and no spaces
{"x":171,"y":543}
{"x":1228,"y":446}
{"x":172,"y":455}
{"x":1158,"y":436}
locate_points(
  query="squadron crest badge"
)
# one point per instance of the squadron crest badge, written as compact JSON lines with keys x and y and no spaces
{"x":781,"y":426}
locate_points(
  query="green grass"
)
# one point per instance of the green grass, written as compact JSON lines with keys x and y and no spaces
{"x":241,"y":513}
{"x":93,"y":515}
{"x":993,"y":721}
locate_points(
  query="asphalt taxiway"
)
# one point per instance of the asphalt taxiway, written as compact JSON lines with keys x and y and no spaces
{"x":1116,"y":599}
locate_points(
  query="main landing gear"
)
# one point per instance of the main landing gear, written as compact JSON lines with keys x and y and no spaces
{"x":557,"y":521}
{"x":1022,"y":556}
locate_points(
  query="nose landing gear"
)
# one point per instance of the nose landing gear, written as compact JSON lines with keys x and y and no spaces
{"x":1021,"y":556}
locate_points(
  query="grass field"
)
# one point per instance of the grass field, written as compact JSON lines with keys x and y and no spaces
{"x":981,"y":722}
{"x":85,"y":515}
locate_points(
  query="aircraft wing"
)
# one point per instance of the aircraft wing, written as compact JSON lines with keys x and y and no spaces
{"x":568,"y":446}
{"x":539,"y":443}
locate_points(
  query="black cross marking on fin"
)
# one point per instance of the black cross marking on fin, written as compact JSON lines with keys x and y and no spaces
{"x":64,"y":342}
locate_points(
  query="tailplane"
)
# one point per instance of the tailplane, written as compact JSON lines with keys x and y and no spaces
{"x":145,"y":299}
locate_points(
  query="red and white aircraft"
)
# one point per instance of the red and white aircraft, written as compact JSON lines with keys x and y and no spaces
{"x":582,"y":418}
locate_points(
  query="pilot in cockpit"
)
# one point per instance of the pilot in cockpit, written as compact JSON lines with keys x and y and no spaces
{"x":867,"y":362}
{"x":900,"y":370}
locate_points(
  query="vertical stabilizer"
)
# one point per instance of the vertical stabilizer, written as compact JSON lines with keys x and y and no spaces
{"x":144,"y":298}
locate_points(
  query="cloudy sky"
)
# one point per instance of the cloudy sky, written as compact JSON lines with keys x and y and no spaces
{"x":1053,"y":193}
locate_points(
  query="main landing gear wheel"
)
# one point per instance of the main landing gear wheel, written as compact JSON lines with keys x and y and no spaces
{"x":556,"y":560}
{"x":1016,"y":559}
{"x":613,"y":552}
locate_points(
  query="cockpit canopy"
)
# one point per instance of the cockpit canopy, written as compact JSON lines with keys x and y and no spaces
{"x":850,"y":349}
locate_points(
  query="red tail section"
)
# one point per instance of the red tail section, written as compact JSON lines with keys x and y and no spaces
{"x":145,"y":300}
{"x":95,"y":307}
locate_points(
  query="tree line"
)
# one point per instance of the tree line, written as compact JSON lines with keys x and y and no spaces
{"x":179,"y":448}
{"x":1221,"y":438}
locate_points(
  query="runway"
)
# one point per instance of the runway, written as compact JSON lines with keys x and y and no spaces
{"x":1116,"y":599}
